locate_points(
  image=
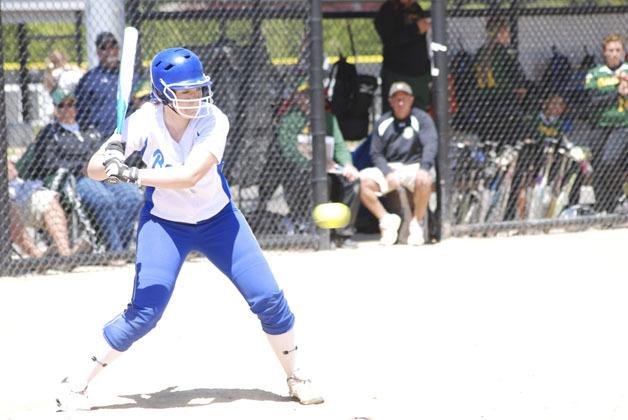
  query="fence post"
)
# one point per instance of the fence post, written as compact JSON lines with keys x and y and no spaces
{"x":22,"y":48}
{"x":78,"y":34}
{"x":317,"y":114}
{"x":441,"y":85}
{"x":5,"y":237}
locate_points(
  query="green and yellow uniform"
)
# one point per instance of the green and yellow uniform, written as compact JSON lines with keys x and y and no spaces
{"x":610,"y":113}
{"x":610,"y":108}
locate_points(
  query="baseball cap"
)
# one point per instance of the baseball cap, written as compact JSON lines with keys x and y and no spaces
{"x":303,"y":86}
{"x":142,"y":89}
{"x":59,"y":95}
{"x":399,"y":87}
{"x":105,"y":40}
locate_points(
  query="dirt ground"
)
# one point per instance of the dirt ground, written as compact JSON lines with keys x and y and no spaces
{"x":530,"y":327}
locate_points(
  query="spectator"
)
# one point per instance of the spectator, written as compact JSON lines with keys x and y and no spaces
{"x":546,"y":132}
{"x":19,"y":234}
{"x":62,"y":144}
{"x":499,"y":86}
{"x":610,"y":122}
{"x":403,"y":149}
{"x":622,"y":156}
{"x":61,"y":74}
{"x":96,"y":91}
{"x":295,"y":146}
{"x":141,"y":94}
{"x":33,"y":205}
{"x":402,"y":26}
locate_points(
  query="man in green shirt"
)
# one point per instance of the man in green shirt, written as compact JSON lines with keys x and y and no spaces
{"x":609,"y":102}
{"x":295,"y":145}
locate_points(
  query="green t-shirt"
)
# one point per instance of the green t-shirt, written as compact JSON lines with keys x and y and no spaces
{"x":294,"y":132}
{"x":610,"y":109}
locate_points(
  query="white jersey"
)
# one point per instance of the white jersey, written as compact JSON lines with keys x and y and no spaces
{"x":146,"y":132}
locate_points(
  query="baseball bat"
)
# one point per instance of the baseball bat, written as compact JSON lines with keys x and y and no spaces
{"x":125,"y":79}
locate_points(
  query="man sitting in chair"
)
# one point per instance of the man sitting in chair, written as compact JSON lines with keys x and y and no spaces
{"x":403,"y":149}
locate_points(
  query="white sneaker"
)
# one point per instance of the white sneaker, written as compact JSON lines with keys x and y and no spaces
{"x":389,"y":227}
{"x":416,"y":236}
{"x":301,"y":390}
{"x":69,"y":398}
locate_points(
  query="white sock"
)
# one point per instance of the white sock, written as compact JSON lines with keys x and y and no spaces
{"x":92,"y":364}
{"x":385,"y":216}
{"x":286,"y":350}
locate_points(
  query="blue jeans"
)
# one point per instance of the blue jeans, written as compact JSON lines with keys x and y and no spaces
{"x":114,"y":207}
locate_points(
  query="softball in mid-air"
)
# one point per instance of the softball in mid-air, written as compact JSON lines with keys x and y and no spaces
{"x":331,"y":215}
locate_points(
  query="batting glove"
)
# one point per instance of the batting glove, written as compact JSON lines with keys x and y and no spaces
{"x":114,"y":149}
{"x":117,"y":171}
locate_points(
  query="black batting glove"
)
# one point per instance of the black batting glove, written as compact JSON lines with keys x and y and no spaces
{"x":118,"y":171}
{"x":114,"y":148}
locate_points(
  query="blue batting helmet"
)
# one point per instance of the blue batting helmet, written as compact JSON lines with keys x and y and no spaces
{"x":178,"y":69}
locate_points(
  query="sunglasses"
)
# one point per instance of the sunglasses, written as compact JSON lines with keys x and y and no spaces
{"x":70,"y":104}
{"x":108,"y":46}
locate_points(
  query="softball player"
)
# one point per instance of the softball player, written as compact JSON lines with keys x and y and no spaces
{"x":181,"y":136}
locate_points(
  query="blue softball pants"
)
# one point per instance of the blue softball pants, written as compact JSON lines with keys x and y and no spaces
{"x":227,"y":241}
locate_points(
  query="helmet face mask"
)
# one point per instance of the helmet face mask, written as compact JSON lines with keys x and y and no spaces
{"x":188,"y":106}
{"x":179,"y":69}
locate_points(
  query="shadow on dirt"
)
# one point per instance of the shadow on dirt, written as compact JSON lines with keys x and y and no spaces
{"x":172,"y":398}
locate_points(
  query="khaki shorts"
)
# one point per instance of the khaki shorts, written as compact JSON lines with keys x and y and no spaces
{"x":405,"y":173}
{"x":34,"y":209}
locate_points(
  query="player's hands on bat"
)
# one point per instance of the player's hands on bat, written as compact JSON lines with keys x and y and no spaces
{"x":118,"y":171}
{"x":114,"y":149}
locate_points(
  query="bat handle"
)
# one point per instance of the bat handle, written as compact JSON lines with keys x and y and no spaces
{"x":112,"y":179}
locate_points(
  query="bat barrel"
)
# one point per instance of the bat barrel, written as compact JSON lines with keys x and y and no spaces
{"x":125,"y":78}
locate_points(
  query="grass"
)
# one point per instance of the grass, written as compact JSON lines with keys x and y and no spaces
{"x":283,"y":37}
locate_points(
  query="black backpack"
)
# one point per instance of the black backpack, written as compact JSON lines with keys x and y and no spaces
{"x":352,"y":96}
{"x":352,"y":99}
{"x":345,"y":78}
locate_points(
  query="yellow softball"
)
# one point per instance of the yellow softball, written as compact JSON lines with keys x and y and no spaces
{"x":331,"y":215}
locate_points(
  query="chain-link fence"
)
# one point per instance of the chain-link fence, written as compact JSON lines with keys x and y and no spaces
{"x":61,"y":67}
{"x":535,"y":142}
{"x":539,"y":129}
